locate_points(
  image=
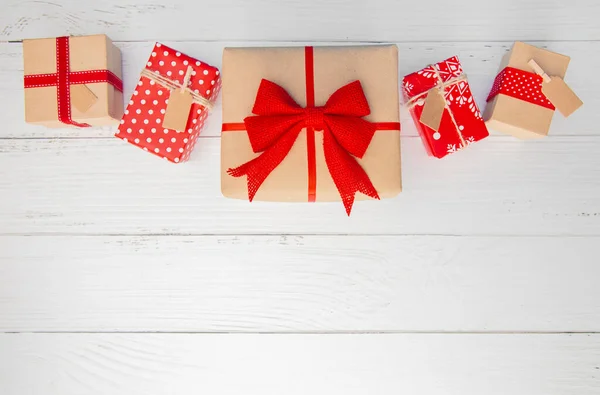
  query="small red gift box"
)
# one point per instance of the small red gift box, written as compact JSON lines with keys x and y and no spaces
{"x":169,"y":72}
{"x":461,"y":123}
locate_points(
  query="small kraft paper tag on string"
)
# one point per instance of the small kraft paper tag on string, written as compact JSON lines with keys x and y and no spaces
{"x":557,"y":91}
{"x":433,"y":109}
{"x":82,"y":98}
{"x":178,"y":110}
{"x":179,"y":106}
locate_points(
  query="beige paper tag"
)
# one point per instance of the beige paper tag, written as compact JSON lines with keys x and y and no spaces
{"x":178,"y":110}
{"x":82,"y":98}
{"x":561,"y":96}
{"x":433,"y":109}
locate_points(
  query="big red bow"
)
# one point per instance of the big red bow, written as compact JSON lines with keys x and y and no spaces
{"x":279,"y":120}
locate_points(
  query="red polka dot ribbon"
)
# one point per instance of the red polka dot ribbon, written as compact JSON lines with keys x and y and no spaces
{"x":522,"y":85}
{"x":64,"y":78}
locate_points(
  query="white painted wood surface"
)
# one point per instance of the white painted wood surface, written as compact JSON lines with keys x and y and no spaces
{"x":299,"y":20}
{"x":299,"y":284}
{"x":420,"y":364}
{"x":471,"y":281}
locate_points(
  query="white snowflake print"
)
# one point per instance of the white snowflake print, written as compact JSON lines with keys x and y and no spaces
{"x":433,"y":71}
{"x":453,"y":148}
{"x":474,"y":109}
{"x":458,"y":93}
{"x":453,"y":66}
{"x":427,"y":72}
{"x":457,"y":147}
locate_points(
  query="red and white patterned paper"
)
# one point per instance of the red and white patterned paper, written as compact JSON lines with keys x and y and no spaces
{"x":459,"y":100}
{"x":142,"y":123}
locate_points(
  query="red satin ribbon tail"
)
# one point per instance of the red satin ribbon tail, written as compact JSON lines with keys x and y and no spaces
{"x":259,"y":168}
{"x":347,"y":174}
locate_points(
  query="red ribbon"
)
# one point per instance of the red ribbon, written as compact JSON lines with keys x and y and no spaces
{"x":279,"y":120}
{"x":522,"y":85}
{"x":64,"y":78}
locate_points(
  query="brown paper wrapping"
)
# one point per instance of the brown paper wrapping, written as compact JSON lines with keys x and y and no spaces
{"x":517,"y":117}
{"x":95,"y":52}
{"x":377,"y":69}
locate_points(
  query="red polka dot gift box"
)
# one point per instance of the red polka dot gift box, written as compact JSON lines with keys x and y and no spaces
{"x":441,"y":92}
{"x":170,"y":104}
{"x":517,"y":104}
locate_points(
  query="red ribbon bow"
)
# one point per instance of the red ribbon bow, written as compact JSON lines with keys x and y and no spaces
{"x":279,"y":120}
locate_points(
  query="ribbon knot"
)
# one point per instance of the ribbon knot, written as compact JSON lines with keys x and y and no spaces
{"x":314,"y":118}
{"x":278,"y":121}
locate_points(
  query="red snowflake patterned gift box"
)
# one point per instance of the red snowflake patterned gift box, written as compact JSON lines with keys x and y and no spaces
{"x":441,"y":92}
{"x":170,"y":104}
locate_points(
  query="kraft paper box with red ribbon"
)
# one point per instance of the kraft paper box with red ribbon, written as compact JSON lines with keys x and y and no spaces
{"x":170,"y":104}
{"x":310,"y":124}
{"x":527,"y":90}
{"x":441,"y":103}
{"x":72,"y":81}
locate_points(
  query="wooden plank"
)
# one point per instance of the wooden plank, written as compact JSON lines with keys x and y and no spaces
{"x":299,"y":284}
{"x":480,"y":60}
{"x":299,"y":364}
{"x":500,"y":186}
{"x":294,"y":20}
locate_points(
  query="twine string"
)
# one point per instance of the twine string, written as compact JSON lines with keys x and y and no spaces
{"x":418,"y":100}
{"x":174,"y":85}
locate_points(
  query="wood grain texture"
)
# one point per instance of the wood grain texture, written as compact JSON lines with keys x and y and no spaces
{"x":480,"y":61}
{"x":501,"y":186}
{"x":132,"y":364}
{"x":294,"y":20}
{"x":299,"y":284}
{"x":468,"y":275}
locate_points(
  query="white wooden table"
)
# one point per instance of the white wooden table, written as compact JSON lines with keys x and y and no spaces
{"x":123,"y":274}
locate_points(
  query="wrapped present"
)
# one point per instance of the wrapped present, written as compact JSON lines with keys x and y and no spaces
{"x":310,"y":124}
{"x":72,"y":81}
{"x":527,"y":90}
{"x":441,"y":103}
{"x":170,"y":104}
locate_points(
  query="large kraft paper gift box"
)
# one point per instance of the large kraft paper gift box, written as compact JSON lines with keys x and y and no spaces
{"x":311,"y":124}
{"x":72,"y":81}
{"x":518,"y":103}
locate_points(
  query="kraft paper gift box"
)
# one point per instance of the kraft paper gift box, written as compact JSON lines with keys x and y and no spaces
{"x":72,"y":81}
{"x":310,"y":124}
{"x":170,"y":104}
{"x":441,"y":103}
{"x":520,"y":102}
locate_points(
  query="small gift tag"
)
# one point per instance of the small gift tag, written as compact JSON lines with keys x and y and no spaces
{"x":558,"y":92}
{"x":433,"y":109}
{"x":82,"y":98}
{"x":178,"y":110}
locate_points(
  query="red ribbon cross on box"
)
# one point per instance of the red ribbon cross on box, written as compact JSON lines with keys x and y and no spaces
{"x":64,"y":78}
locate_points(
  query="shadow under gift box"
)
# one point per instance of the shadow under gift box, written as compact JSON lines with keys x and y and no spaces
{"x":512,"y":114}
{"x":96,"y":52}
{"x":376,"y":67}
